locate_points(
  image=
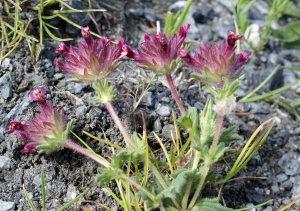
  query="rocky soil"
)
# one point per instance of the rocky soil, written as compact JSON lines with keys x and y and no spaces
{"x":67,"y":173}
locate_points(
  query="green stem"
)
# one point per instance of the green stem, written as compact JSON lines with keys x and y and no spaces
{"x":217,"y":132}
{"x":187,"y":190}
{"x":175,"y":93}
{"x":140,"y":188}
{"x":206,"y":166}
{"x":71,"y":145}
{"x":119,"y":124}
{"x":200,"y":186}
{"x":196,"y":160}
{"x":161,"y":181}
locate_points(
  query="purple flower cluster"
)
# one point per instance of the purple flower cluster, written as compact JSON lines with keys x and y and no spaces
{"x":95,"y":59}
{"x":159,"y":53}
{"x":92,"y":59}
{"x":47,"y":124}
{"x":213,"y":63}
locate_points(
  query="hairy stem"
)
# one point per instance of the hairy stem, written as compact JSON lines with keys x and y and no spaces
{"x":187,"y":190}
{"x":119,"y":124}
{"x":217,"y":132}
{"x":175,"y":93}
{"x":199,"y":187}
{"x":71,"y":145}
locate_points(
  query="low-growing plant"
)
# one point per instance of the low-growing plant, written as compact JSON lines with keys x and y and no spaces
{"x":188,"y":162}
{"x":177,"y":180}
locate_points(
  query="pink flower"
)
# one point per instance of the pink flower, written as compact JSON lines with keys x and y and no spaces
{"x":214,"y":63}
{"x":38,"y":95}
{"x":92,"y":59}
{"x":46,"y":132}
{"x":159,"y":53}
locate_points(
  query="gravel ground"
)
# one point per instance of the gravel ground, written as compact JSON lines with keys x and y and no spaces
{"x":68,"y":173}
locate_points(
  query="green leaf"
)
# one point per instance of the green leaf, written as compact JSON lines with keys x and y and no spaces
{"x":251,"y":147}
{"x":188,"y":120}
{"x":207,"y":123}
{"x":29,"y":201}
{"x":69,"y":204}
{"x":105,"y":92}
{"x":210,"y":156}
{"x":288,"y":33}
{"x":292,"y":12}
{"x":209,"y":204}
{"x":175,"y":190}
{"x":56,"y":142}
{"x":130,"y":153}
{"x":227,"y":135}
{"x":108,"y":174}
{"x":247,"y":7}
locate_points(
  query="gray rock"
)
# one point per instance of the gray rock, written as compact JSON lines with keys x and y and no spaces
{"x":275,"y":188}
{"x":258,"y":108}
{"x":71,"y":193}
{"x":281,"y":177}
{"x":5,"y":63}
{"x":250,"y":205}
{"x":296,"y":193}
{"x":81,"y":110}
{"x":12,"y":115}
{"x":163,"y":110}
{"x":193,"y":32}
{"x":37,"y":180}
{"x":76,"y":88}
{"x":261,"y":7}
{"x":148,"y":99}
{"x":59,"y":76}
{"x":205,"y":33}
{"x":287,"y":185}
{"x":6,"y":205}
{"x":165,"y":100}
{"x":177,"y":6}
{"x":227,"y":4}
{"x":273,"y":58}
{"x":81,"y":19}
{"x":223,"y":30}
{"x":157,"y":126}
{"x":258,"y":198}
{"x":2,"y":112}
{"x":167,"y":131}
{"x":268,"y":209}
{"x":295,"y":180}
{"x":36,"y":79}
{"x":5,"y":86}
{"x":199,"y":105}
{"x":4,"y":162}
{"x":289,"y":163}
{"x":75,"y":100}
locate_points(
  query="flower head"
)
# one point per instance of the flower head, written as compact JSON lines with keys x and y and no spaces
{"x":92,"y":59}
{"x":47,"y":131}
{"x":213,"y":63}
{"x":159,"y":53}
